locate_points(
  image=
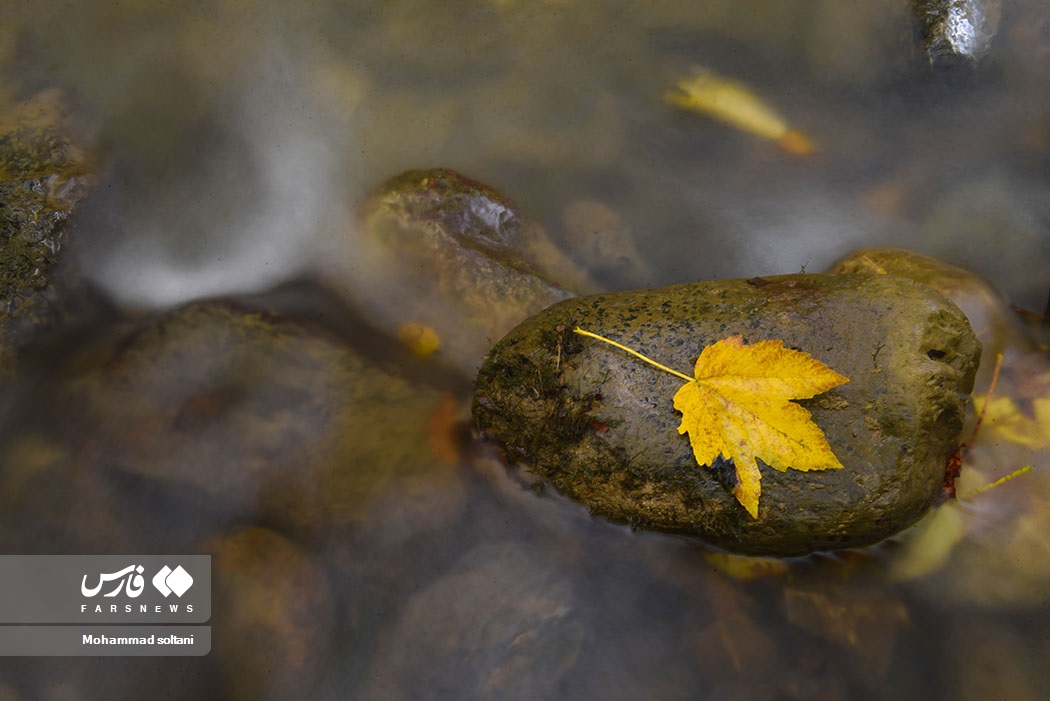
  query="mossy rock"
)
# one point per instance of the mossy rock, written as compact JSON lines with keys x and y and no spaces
{"x":43,"y":177}
{"x":598,"y":424}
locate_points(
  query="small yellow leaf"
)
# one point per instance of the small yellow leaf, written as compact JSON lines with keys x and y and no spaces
{"x":421,"y":339}
{"x":739,"y":408}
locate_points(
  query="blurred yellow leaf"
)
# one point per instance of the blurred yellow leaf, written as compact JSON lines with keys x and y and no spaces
{"x":931,"y":543}
{"x":737,"y":410}
{"x":1005,"y":420}
{"x":734,"y":103}
{"x":746,"y":568}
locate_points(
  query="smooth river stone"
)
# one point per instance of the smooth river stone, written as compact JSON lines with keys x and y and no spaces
{"x":437,"y":249}
{"x":599,"y":425}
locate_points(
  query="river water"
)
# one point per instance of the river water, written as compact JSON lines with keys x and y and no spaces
{"x":233,"y":139}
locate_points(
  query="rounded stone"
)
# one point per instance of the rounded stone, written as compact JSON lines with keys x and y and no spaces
{"x":501,"y":624}
{"x":599,"y":425}
{"x":437,"y":249}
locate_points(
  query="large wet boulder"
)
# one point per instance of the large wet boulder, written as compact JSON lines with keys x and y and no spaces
{"x":599,"y":425}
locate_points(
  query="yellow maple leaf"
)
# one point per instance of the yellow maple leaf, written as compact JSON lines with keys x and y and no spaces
{"x":737,"y":409}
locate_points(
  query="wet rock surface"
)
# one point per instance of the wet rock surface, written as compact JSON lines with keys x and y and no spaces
{"x":599,"y":425}
{"x":956,"y":33}
{"x":43,"y":177}
{"x":227,"y":134}
{"x":441,"y":250}
{"x":987,"y":309}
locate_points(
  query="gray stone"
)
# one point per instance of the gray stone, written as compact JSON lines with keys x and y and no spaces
{"x":599,"y":425}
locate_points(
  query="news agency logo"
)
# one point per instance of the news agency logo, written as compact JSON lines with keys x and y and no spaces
{"x":98,"y":590}
{"x":167,"y":581}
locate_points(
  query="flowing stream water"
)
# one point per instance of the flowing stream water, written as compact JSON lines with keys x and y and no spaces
{"x":233,"y":139}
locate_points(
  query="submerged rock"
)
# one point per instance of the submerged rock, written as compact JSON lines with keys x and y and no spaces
{"x":599,"y":425}
{"x":502,"y":624}
{"x":251,"y":414}
{"x":988,"y":657}
{"x":449,"y":253}
{"x":276,"y":603}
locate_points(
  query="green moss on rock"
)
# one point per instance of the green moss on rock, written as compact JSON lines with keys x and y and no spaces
{"x":42,"y":179}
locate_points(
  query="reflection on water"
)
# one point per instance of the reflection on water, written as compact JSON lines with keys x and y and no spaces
{"x":362,"y":549}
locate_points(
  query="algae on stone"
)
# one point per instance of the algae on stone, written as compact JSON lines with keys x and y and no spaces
{"x":43,"y":177}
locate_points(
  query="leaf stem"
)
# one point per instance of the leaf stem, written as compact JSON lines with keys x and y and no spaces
{"x":635,"y":353}
{"x":996,"y":483}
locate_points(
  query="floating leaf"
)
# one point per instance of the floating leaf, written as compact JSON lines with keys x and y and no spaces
{"x":737,"y":409}
{"x":735,"y":104}
{"x":443,"y":431}
{"x":931,"y":543}
{"x":934,"y":538}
